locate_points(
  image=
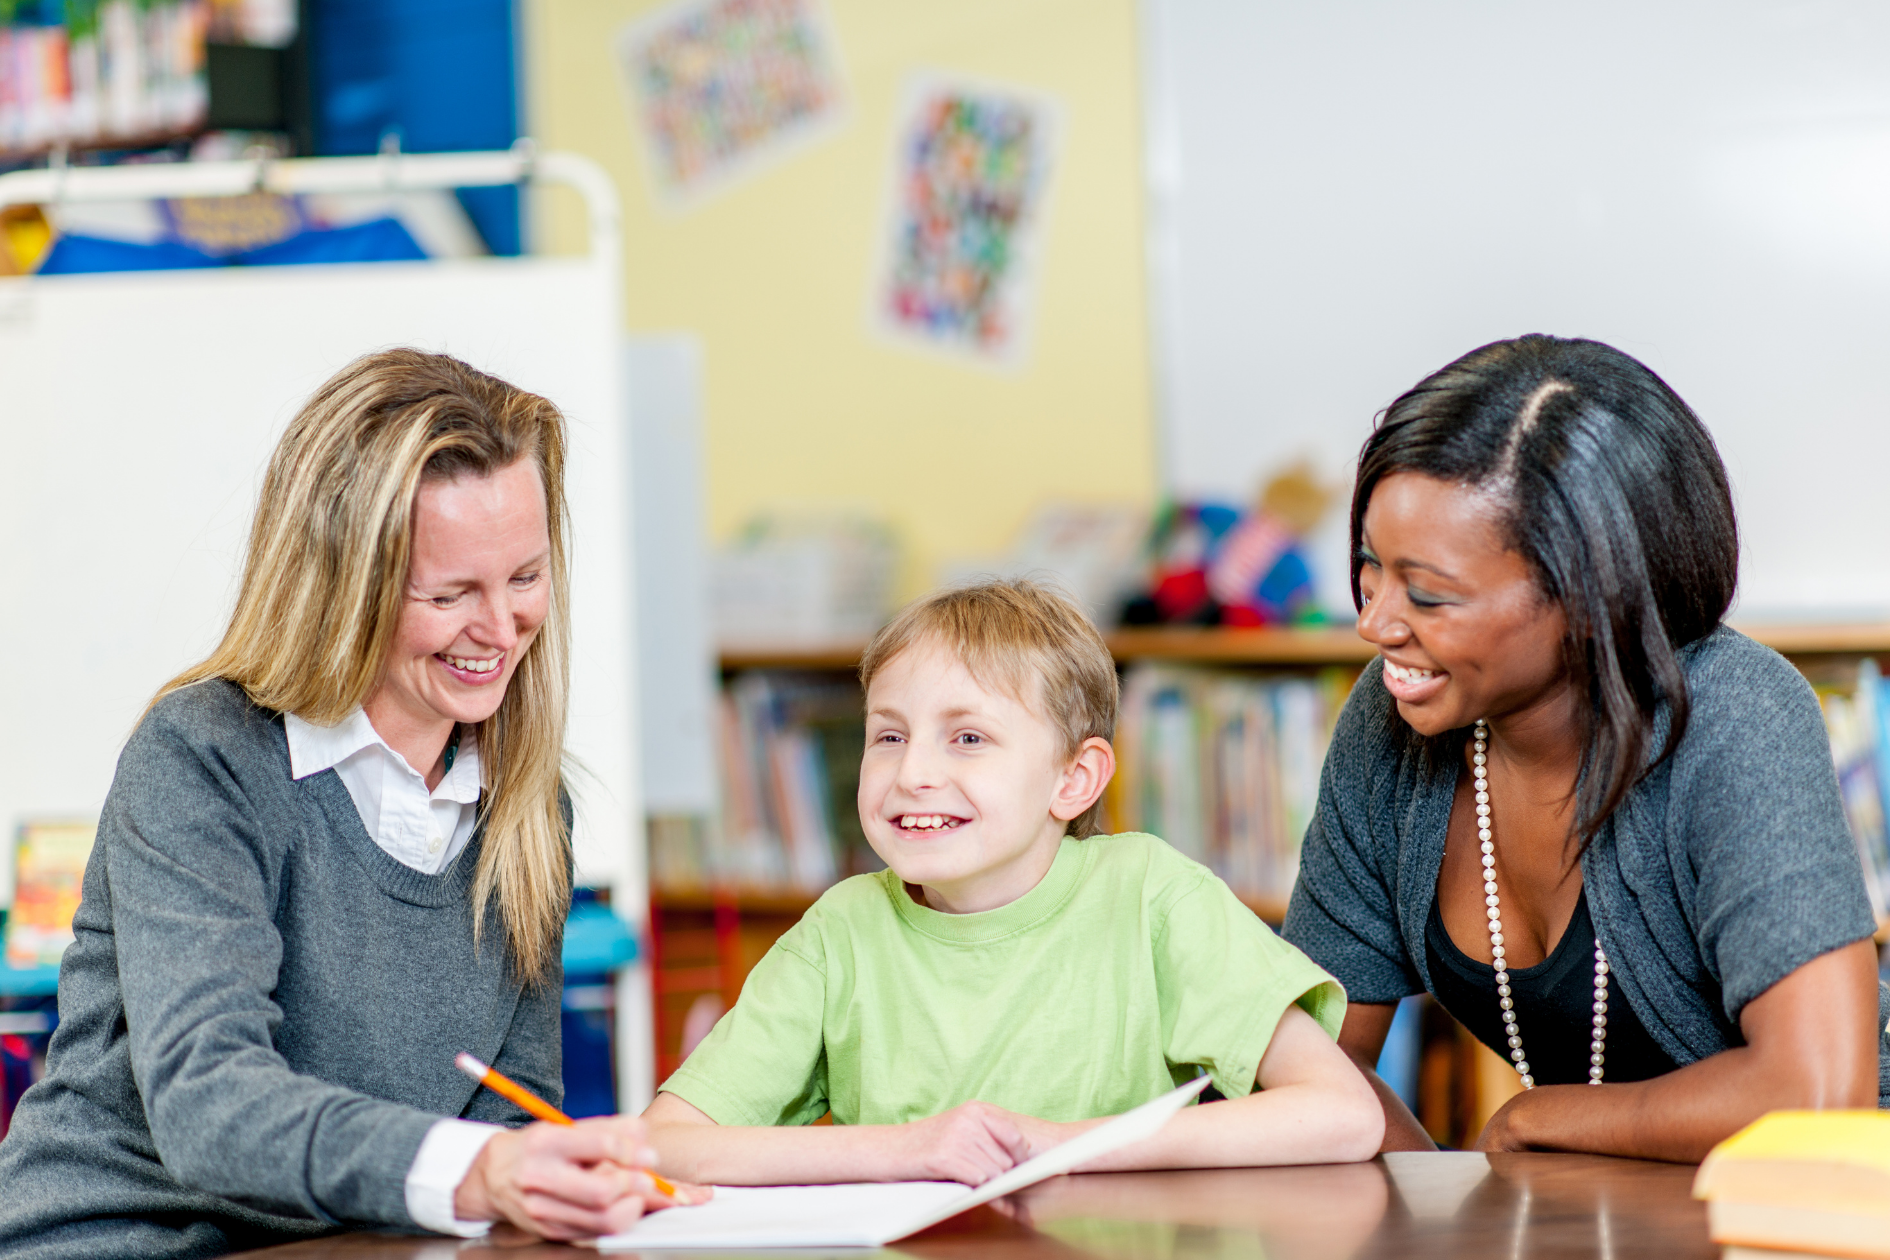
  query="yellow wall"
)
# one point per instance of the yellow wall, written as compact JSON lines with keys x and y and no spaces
{"x":803,"y":403}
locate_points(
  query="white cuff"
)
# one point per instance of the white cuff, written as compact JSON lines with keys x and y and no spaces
{"x":446,"y":1154}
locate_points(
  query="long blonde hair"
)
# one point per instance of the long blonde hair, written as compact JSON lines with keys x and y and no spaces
{"x":325,"y":580}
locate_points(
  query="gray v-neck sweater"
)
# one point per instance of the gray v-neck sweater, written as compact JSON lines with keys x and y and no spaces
{"x":1728,"y":867}
{"x":259,"y":1016}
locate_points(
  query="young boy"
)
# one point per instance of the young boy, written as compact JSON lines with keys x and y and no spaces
{"x":1012,"y":978}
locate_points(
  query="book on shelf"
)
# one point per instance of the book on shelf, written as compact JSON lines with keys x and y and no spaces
{"x":1858,"y":722}
{"x":1814,"y":1183}
{"x":1225,"y":766}
{"x":48,"y":874}
{"x":98,"y":72}
{"x":789,"y":754}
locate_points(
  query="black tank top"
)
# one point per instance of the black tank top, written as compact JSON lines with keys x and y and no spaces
{"x":1554,"y":1006}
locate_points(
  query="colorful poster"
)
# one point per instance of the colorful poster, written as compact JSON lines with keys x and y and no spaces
{"x":722,"y":87}
{"x":49,"y":869}
{"x":969,"y":182}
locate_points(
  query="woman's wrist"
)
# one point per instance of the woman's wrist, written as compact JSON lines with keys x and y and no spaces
{"x":1543,"y":1118}
{"x":472,"y":1199}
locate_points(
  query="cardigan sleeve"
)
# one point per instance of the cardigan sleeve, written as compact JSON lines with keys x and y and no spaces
{"x":193,"y":879}
{"x":1755,"y":808}
{"x":1343,"y":911}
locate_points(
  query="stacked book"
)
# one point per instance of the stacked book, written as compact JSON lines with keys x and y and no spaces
{"x":1801,"y":1184}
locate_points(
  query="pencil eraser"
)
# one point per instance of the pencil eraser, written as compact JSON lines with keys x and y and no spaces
{"x":470,"y":1066}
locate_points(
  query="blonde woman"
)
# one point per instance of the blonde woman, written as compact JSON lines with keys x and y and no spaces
{"x":335,"y":854}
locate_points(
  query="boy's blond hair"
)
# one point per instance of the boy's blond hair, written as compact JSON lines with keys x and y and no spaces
{"x":1010,"y":634}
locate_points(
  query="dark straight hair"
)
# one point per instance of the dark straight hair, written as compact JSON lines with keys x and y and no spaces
{"x":1613,"y":492}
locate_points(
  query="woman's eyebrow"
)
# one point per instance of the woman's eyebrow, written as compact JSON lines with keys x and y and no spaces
{"x":1427,"y":566}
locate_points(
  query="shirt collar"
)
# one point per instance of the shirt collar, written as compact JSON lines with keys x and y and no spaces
{"x":313,"y":749}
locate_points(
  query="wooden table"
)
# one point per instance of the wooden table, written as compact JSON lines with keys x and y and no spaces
{"x":1443,"y":1205}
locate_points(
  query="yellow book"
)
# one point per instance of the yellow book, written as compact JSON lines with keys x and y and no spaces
{"x":1806,"y":1181}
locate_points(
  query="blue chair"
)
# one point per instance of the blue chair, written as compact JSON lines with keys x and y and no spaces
{"x":597,"y":944}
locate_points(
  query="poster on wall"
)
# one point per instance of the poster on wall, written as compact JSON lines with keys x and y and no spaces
{"x":970,"y":176}
{"x":723,"y":88}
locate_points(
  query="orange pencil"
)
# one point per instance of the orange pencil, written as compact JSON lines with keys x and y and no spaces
{"x":503,"y":1085}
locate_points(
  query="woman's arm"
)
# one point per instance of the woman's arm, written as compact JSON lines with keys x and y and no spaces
{"x":972,"y":1143}
{"x":189,"y":876}
{"x":1363,"y":1039}
{"x":1811,"y":1041}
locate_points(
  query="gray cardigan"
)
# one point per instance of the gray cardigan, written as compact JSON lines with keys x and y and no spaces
{"x":259,"y":1016}
{"x":1727,"y":868}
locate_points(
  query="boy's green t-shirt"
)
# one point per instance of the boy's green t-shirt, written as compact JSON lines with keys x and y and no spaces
{"x":1126,"y":969}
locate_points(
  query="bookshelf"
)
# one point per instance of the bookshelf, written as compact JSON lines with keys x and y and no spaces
{"x":1333,"y":645}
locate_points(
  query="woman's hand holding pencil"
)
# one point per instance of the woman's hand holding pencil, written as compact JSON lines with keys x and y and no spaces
{"x":563,"y":1179}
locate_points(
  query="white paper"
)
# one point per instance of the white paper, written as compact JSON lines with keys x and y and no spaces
{"x":871,"y":1214}
{"x":1434,"y":1184}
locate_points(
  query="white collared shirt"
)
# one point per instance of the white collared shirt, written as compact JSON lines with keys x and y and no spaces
{"x":425,"y":830}
{"x":417,"y":828}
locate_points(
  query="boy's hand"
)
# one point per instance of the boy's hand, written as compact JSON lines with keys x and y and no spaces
{"x":972,"y":1143}
{"x":1041,"y":1135}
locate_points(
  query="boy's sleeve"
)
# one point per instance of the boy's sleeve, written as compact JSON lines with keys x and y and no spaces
{"x":1225,"y":980}
{"x":765,"y":1062}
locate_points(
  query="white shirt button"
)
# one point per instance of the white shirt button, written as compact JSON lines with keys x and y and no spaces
{"x":434,"y":845}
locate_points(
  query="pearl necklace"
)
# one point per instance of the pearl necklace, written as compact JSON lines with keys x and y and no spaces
{"x":1597,"y":1048}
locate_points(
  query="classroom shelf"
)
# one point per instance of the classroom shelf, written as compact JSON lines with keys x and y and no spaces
{"x":752,"y":900}
{"x":1326,"y":646}
{"x":1861,"y":639}
{"x":1337,"y":645}
{"x":837,"y":656}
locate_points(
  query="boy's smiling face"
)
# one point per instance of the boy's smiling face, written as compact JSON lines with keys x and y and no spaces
{"x":965,"y":790}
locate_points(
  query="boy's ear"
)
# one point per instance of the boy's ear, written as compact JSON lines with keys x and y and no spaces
{"x":1084,"y":779}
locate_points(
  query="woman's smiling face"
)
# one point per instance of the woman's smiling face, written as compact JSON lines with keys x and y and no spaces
{"x":478,"y":589}
{"x":1458,"y":616}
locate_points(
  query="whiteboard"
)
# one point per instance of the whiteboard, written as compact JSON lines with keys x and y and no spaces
{"x":1346,"y":197}
{"x":139,"y":412}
